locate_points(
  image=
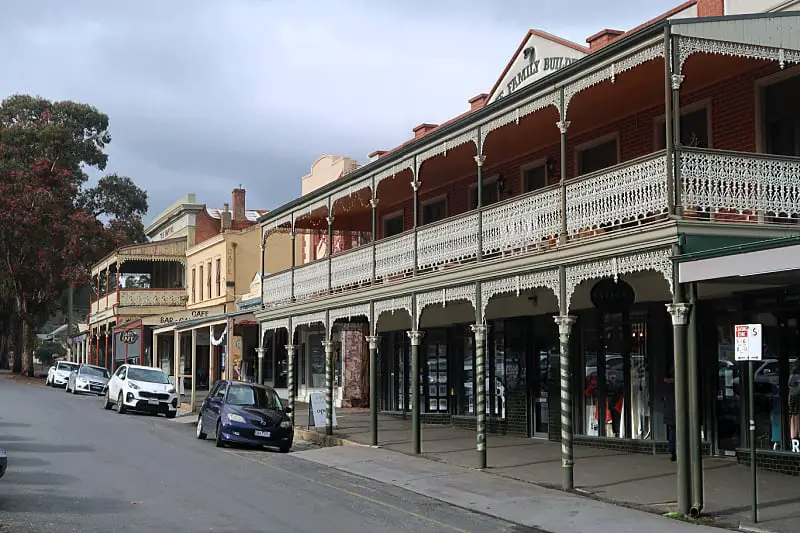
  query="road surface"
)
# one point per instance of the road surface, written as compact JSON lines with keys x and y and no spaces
{"x":74,"y":466}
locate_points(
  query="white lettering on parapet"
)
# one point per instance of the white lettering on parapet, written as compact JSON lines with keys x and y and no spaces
{"x":796,"y":445}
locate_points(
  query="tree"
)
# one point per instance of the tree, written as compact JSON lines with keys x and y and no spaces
{"x":49,"y":351}
{"x":120,"y":200}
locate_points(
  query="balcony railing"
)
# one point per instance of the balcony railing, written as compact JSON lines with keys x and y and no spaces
{"x":714,"y":185}
{"x":141,"y":298}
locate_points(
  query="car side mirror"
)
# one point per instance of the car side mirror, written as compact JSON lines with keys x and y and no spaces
{"x":122,"y":378}
{"x":287,"y":409}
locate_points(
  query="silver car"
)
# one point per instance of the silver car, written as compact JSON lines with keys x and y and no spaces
{"x":88,"y":378}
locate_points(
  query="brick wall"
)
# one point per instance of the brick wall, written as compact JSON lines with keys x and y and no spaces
{"x":206,"y":227}
{"x":732,"y":128}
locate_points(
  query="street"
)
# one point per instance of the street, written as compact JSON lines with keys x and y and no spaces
{"x":76,"y":467}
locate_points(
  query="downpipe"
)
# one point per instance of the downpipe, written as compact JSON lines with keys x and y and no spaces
{"x":695,"y":510}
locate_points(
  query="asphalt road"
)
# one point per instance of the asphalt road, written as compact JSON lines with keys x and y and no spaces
{"x":76,"y":467}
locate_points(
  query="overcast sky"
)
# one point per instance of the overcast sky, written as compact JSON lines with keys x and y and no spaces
{"x":204,"y":95}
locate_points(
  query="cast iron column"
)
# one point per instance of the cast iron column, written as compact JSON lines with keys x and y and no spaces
{"x":192,"y":403}
{"x":260,"y":352}
{"x":373,"y":387}
{"x":373,"y":203}
{"x":292,"y":236}
{"x":480,"y":375}
{"x":176,"y":361}
{"x":563,"y":126}
{"x":416,"y":338}
{"x":330,"y":247}
{"x":565,"y":323}
{"x":479,"y":159}
{"x":290,"y":348}
{"x":680,"y":314}
{"x":695,"y":438}
{"x":415,"y":186}
{"x":676,"y":79}
{"x":328,"y":386}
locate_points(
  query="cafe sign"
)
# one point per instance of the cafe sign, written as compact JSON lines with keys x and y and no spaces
{"x":129,"y":336}
{"x":539,"y":56}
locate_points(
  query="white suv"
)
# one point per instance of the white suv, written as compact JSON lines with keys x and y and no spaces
{"x":141,"y":388}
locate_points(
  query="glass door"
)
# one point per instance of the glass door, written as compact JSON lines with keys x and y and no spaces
{"x":729,"y":408}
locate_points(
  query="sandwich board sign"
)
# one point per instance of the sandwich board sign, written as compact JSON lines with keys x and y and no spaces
{"x":748,"y":342}
{"x":317,"y":410}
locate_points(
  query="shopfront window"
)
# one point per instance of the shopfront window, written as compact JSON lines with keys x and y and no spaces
{"x":436,"y":371}
{"x":466,"y":401}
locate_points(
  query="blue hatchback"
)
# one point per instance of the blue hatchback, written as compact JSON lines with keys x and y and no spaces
{"x":245,"y":413}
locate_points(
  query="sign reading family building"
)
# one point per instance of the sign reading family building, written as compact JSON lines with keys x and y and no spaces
{"x":540,"y":56}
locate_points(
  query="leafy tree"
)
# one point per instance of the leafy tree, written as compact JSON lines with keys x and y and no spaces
{"x":49,"y":351}
{"x":120,"y":200}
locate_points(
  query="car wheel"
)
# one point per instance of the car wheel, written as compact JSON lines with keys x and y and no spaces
{"x":171,"y":414}
{"x":284,"y":449}
{"x":106,"y":401}
{"x":73,"y":390}
{"x":47,"y":381}
{"x":200,"y":433}
{"x":219,"y":442}
{"x":120,"y":405}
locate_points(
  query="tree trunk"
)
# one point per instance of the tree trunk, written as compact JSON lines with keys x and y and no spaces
{"x":5,"y":341}
{"x":16,"y":337}
{"x":27,"y":343}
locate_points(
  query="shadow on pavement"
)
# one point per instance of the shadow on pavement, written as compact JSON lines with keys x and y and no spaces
{"x":29,"y":461}
{"x":46,"y":448}
{"x":76,"y":505}
{"x":39,"y":478}
{"x":14,"y":425}
{"x":12,"y":438}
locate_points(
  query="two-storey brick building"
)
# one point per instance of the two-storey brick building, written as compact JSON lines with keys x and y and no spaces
{"x":519,"y":275}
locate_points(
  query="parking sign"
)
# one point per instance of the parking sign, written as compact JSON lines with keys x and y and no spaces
{"x":748,"y":342}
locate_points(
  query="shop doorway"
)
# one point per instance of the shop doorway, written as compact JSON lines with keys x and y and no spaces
{"x":543,"y":365}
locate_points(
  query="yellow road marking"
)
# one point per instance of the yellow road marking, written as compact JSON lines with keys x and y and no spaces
{"x":349,"y":492}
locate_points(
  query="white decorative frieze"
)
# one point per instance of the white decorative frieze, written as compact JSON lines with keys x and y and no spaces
{"x":392,"y":171}
{"x":448,"y":144}
{"x":394,"y":257}
{"x":443,"y":296}
{"x":547,"y":279}
{"x":152,"y":297}
{"x":276,"y":289}
{"x":311,"y":279}
{"x":540,"y":102}
{"x":693,"y":45}
{"x":351,"y":267}
{"x":448,"y":242}
{"x":613,"y":267}
{"x":361,"y":310}
{"x":350,"y":190}
{"x":393,"y":305}
{"x":626,"y":193}
{"x":309,"y":320}
{"x":273,"y":325}
{"x":726,"y":182}
{"x":523,"y":223}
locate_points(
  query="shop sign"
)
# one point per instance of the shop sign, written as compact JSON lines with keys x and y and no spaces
{"x":318,"y":410}
{"x":747,"y":344}
{"x":191,"y":315}
{"x":613,"y":296}
{"x":535,"y":67}
{"x":129,"y":336}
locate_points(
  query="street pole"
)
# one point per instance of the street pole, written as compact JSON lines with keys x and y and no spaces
{"x":70,"y":319}
{"x":416,"y":446}
{"x":373,"y":388}
{"x":751,"y":409}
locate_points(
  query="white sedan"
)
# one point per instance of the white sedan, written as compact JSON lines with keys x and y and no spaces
{"x":58,"y":374}
{"x":141,"y":388}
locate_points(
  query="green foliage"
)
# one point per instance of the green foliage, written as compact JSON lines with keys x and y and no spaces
{"x":48,"y":351}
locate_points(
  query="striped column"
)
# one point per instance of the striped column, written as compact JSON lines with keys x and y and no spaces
{"x":373,"y":387}
{"x":480,"y":371}
{"x":416,"y":427}
{"x":565,"y":323}
{"x":328,"y":387}
{"x":290,"y":349}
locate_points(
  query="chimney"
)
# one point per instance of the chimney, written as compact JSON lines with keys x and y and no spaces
{"x":710,"y":8}
{"x":377,"y":154}
{"x":238,"y":204}
{"x":225,"y":218}
{"x":423,"y":129}
{"x":602,"y":38}
{"x":477,"y":102}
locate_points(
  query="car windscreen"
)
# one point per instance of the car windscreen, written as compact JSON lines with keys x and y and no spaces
{"x":145,"y":374}
{"x":67,"y":367}
{"x":94,"y":371}
{"x":246,"y":396}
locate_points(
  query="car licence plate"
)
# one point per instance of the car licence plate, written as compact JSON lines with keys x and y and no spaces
{"x":152,"y":402}
{"x":262,"y":433}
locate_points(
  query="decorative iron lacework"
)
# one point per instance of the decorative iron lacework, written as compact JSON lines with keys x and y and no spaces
{"x":448,"y":144}
{"x":352,"y":267}
{"x":349,"y":190}
{"x":395,"y":256}
{"x":348,"y":312}
{"x":393,"y":170}
{"x":693,"y":45}
{"x":273,"y":325}
{"x":540,"y":102}
{"x":392,"y":306}
{"x":453,"y":241}
{"x":311,"y":279}
{"x":151,"y":297}
{"x":321,"y":202}
{"x":622,"y":195}
{"x":280,"y":222}
{"x":309,"y":319}
{"x":724,"y":182}
{"x":611,"y":71}
{"x":447,"y":294}
{"x":516,"y":284}
{"x":276,"y":289}
{"x":522,"y":223}
{"x":613,"y":267}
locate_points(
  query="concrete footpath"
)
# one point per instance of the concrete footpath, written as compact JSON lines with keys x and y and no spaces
{"x":514,"y":501}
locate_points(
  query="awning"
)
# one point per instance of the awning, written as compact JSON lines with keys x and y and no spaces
{"x":775,"y":260}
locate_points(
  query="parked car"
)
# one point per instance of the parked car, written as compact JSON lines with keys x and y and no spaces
{"x":245,"y":413}
{"x":58,"y":374}
{"x":141,"y":388}
{"x":88,"y":378}
{"x":3,"y":462}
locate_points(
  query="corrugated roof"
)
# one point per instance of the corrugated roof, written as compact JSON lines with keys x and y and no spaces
{"x":251,"y":215}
